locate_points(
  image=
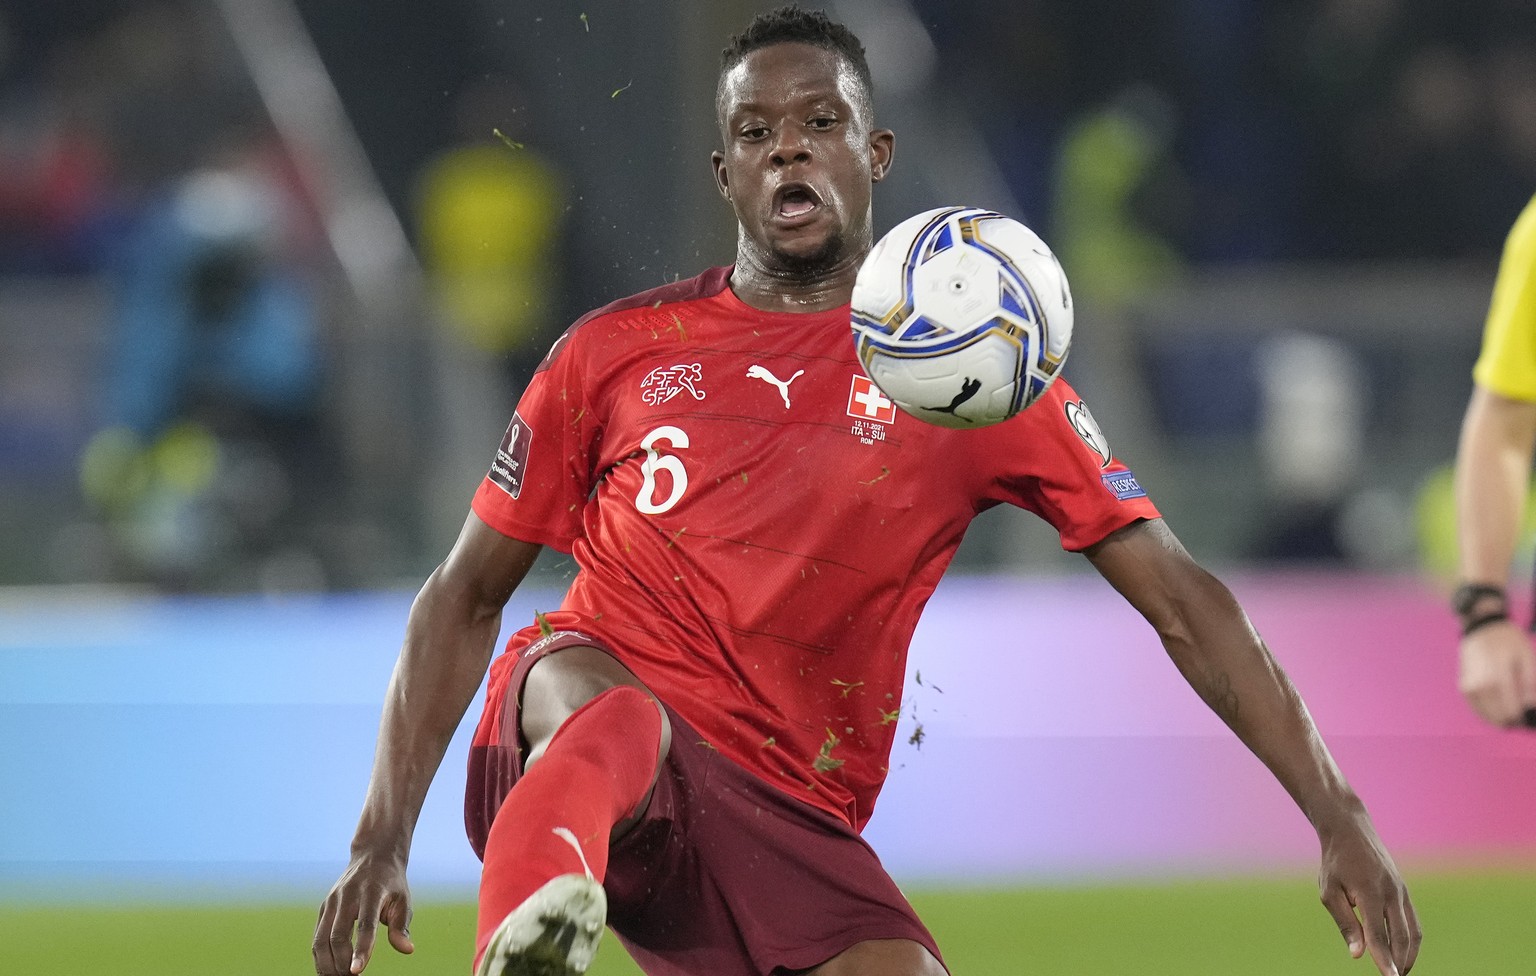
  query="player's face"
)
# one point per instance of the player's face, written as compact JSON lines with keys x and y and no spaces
{"x":799,"y":158}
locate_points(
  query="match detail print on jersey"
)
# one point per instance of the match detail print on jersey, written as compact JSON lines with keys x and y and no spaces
{"x":512,"y":457}
{"x":665,"y":382}
{"x":761,"y":373}
{"x":870,"y":409}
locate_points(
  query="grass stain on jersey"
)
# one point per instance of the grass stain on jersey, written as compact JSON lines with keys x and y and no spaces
{"x":824,"y":763}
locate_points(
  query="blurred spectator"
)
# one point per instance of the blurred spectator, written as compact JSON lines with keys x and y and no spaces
{"x":1118,"y":195}
{"x":1430,"y":162}
{"x":94,"y":125}
{"x":1305,"y":128}
{"x":1509,"y":72}
{"x":1011,"y":68}
{"x":1311,"y":435}
{"x":490,"y":212}
{"x":164,"y":83}
{"x":55,"y":192}
{"x":1413,"y":110}
{"x":214,"y":384}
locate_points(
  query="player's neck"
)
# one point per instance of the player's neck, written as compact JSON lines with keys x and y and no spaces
{"x":779,"y":290}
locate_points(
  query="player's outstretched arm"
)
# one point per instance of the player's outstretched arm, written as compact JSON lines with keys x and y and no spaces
{"x":1218,"y":652}
{"x":449,"y":638}
{"x":1493,"y":474}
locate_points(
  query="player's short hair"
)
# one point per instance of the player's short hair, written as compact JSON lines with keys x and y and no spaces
{"x":792,"y":24}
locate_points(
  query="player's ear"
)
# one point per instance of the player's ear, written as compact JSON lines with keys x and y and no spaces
{"x":722,"y":179}
{"x":882,"y":148}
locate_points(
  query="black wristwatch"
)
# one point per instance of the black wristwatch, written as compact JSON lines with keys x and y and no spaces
{"x":1467,"y":594}
{"x":1467,"y":597}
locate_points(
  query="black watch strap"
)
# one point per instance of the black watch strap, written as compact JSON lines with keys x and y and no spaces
{"x":1467,"y":595}
{"x":1472,"y":624}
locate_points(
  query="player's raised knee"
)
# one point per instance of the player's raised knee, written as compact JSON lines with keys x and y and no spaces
{"x":562,"y":684}
{"x":621,"y":711}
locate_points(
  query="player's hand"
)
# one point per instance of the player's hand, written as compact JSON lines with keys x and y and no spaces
{"x":372,"y":890}
{"x":1363,"y":892}
{"x":1498,"y":673}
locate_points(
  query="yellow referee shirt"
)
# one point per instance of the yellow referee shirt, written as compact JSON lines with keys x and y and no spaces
{"x":1507,"y":365}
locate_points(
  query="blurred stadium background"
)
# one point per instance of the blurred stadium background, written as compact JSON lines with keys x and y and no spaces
{"x":271,"y":274}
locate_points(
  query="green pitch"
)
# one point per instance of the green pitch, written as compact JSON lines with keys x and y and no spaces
{"x":1474,"y":924}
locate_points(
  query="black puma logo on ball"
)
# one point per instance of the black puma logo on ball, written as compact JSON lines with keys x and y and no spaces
{"x":968,"y":389}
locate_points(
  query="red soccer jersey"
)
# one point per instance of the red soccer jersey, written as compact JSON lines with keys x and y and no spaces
{"x":757,"y":528}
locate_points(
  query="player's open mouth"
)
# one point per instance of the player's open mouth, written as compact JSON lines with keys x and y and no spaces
{"x":795,"y":200}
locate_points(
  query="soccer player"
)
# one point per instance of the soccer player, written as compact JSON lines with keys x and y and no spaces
{"x":1493,"y":476}
{"x":689,"y":746}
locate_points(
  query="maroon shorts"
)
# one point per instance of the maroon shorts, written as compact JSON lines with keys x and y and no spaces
{"x":724,"y":875}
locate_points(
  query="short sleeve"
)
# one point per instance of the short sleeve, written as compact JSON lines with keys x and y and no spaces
{"x":1055,"y":461}
{"x":1507,"y":364}
{"x":543,"y":471}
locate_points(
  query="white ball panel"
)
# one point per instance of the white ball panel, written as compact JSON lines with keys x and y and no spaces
{"x":957,"y":285}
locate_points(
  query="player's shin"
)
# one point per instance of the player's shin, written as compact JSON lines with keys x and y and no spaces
{"x":557,"y":820}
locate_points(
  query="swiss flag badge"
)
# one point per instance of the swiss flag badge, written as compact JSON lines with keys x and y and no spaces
{"x":866,"y":402}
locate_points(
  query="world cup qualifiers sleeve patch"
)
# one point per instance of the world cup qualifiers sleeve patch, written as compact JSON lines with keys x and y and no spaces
{"x":1123,"y":484}
{"x":512,"y":457}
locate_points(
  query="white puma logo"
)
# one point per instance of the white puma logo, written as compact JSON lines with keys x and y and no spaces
{"x":759,"y":373}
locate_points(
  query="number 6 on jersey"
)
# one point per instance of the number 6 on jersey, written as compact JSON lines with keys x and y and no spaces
{"x":656,"y":461}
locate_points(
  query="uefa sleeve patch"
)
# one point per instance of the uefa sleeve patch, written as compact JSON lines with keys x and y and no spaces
{"x":512,"y":457}
{"x":1123,"y":485}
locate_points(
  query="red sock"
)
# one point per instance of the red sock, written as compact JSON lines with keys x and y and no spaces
{"x":593,"y":775}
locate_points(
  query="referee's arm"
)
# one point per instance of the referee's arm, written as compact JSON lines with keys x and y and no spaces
{"x":1493,"y":472}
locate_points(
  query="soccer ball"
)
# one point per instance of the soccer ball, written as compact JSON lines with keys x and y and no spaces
{"x":962,"y":316}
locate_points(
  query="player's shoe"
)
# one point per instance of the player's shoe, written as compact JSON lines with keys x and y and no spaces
{"x":553,"y":933}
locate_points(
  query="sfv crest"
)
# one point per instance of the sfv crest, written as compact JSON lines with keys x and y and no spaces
{"x":665,"y":382}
